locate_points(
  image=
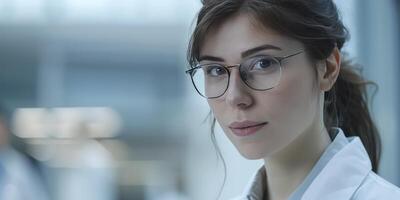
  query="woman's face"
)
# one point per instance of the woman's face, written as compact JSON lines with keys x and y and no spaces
{"x":260,"y":123}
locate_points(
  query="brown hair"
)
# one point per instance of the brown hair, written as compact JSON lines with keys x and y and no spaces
{"x":317,"y":24}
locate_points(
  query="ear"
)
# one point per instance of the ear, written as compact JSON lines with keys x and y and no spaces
{"x":328,"y":70}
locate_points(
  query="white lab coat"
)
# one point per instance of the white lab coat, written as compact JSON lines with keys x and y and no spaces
{"x":343,"y":172}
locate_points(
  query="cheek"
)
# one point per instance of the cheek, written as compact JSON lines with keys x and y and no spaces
{"x":217,"y":106}
{"x":293,"y":103}
{"x":293,"y":96}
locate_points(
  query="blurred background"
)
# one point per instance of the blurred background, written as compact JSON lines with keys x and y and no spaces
{"x":95,"y":103}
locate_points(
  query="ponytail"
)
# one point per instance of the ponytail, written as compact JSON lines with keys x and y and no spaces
{"x":346,"y":106}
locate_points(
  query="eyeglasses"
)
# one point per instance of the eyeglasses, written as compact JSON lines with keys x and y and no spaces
{"x":262,"y":72}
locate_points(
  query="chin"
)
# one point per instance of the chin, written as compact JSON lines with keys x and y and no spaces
{"x":253,"y":153}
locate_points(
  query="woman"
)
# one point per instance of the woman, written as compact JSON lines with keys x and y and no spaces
{"x":276,"y":82}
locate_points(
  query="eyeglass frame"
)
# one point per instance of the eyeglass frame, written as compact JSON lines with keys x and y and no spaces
{"x":227,"y":67}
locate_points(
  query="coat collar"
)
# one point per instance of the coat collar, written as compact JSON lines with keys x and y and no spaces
{"x":339,"y":172}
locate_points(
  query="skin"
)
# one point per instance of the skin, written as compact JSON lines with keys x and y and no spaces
{"x":295,"y":136}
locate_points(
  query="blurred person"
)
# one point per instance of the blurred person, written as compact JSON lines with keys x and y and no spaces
{"x":277,"y":83}
{"x":87,"y":168}
{"x":21,"y":176}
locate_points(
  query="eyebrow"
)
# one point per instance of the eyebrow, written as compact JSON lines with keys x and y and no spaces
{"x":244,"y":54}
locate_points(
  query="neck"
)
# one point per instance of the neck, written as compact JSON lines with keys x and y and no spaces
{"x":287,"y":168}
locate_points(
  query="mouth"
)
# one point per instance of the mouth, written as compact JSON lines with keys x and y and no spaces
{"x":246,"y":128}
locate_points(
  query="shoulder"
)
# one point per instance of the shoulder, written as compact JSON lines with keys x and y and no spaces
{"x":375,"y":187}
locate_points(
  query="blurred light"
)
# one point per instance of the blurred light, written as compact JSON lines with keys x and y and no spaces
{"x":89,"y":9}
{"x":22,"y":11}
{"x":29,"y":11}
{"x":96,"y":122}
{"x":99,"y":11}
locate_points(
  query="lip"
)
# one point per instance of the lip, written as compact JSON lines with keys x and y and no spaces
{"x":246,"y":128}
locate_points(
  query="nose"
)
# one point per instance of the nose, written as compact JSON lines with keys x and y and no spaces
{"x":238,"y":94}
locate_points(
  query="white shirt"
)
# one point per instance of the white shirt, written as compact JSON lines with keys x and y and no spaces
{"x":343,"y":172}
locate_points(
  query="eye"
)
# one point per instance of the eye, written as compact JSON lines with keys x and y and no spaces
{"x":215,"y":70}
{"x":263,"y":63}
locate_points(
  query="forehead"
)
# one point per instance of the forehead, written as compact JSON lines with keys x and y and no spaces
{"x":240,"y":33}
